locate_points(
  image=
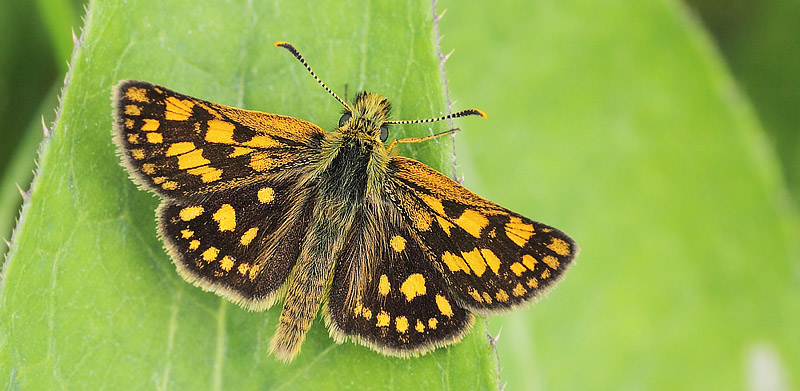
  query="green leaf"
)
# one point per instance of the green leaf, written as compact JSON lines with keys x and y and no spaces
{"x":89,"y":298}
{"x":618,"y":122}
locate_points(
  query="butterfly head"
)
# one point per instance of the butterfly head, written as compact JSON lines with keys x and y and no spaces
{"x":367,"y":116}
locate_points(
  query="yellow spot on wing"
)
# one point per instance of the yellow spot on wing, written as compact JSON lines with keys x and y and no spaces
{"x":170,"y":185}
{"x":475,"y":261}
{"x":446,"y":225}
{"x":191,"y":212}
{"x":149,"y":168}
{"x":226,"y":263}
{"x":398,"y":243}
{"x":210,"y":254}
{"x":472,"y":222}
{"x":137,"y":154}
{"x":432,"y":323}
{"x":519,"y":290}
{"x":194,"y":244}
{"x":383,"y":285}
{"x":187,"y":233}
{"x":150,"y":125}
{"x":454,"y":262}
{"x":559,"y":246}
{"x":401,"y":324}
{"x":518,"y":231}
{"x":422,"y":220}
{"x":475,"y":295}
{"x":413,"y":286}
{"x":220,"y":132}
{"x":179,"y":148}
{"x":192,"y":159}
{"x":132,"y":110}
{"x":266,"y":194}
{"x":178,"y":110}
{"x":137,"y":94}
{"x":129,"y":123}
{"x":444,"y":306}
{"x":240,"y":151}
{"x":419,"y":327}
{"x":262,"y":142}
{"x":243,"y":268}
{"x":225,"y":217}
{"x":383,"y":319}
{"x":529,"y":261}
{"x":254,"y":271}
{"x":248,"y":236}
{"x":551,"y":261}
{"x":434,"y":203}
{"x":367,"y":313}
{"x":501,"y":296}
{"x":207,"y":173}
{"x":491,"y":259}
{"x":545,"y":274}
{"x":358,"y":307}
{"x":533,"y":283}
{"x":487,"y":298}
{"x":155,"y":138}
{"x":517,"y":268}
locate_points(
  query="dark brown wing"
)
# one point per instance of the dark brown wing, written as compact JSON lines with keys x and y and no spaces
{"x":491,"y":258}
{"x":241,"y":244}
{"x":387,"y":294}
{"x":179,"y":146}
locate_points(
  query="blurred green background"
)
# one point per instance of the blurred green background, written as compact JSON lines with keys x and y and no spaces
{"x":662,"y":135}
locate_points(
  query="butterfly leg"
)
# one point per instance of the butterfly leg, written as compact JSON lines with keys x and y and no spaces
{"x":420,"y":139}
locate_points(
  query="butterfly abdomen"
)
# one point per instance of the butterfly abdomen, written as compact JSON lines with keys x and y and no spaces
{"x":341,"y":188}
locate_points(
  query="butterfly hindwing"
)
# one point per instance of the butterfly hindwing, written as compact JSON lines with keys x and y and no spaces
{"x":386,"y":293}
{"x":241,"y":244}
{"x":491,"y":258}
{"x":179,"y":146}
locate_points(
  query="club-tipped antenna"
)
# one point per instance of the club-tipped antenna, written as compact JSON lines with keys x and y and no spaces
{"x":297,"y":55}
{"x":462,"y":113}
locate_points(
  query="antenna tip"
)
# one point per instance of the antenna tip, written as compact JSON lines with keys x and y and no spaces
{"x":289,"y":47}
{"x":478,"y":112}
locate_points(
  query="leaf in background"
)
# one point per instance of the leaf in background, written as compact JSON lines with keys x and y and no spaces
{"x":619,"y":124}
{"x":89,"y":298}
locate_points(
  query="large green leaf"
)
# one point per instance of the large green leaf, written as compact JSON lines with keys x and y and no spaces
{"x":617,"y":122}
{"x":89,"y":298}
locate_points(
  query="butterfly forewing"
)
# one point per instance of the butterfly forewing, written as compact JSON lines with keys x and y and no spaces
{"x":491,"y":258}
{"x":399,"y":303}
{"x":179,"y":146}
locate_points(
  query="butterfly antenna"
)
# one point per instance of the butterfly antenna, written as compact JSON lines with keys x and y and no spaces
{"x":462,"y":113}
{"x":297,"y":55}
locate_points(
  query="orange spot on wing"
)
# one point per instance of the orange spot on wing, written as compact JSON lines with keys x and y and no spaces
{"x":472,"y":222}
{"x":220,"y":132}
{"x":559,"y":247}
{"x":178,"y":110}
{"x":137,"y":94}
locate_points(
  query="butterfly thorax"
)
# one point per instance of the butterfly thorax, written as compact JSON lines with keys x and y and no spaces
{"x":353,"y":157}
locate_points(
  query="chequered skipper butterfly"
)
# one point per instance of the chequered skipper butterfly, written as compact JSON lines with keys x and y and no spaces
{"x":257,"y":207}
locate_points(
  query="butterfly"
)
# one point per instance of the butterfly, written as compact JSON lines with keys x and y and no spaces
{"x":260,"y":207}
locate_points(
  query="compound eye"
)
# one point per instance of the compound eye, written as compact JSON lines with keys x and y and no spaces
{"x":384,"y":132}
{"x":343,"y":120}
